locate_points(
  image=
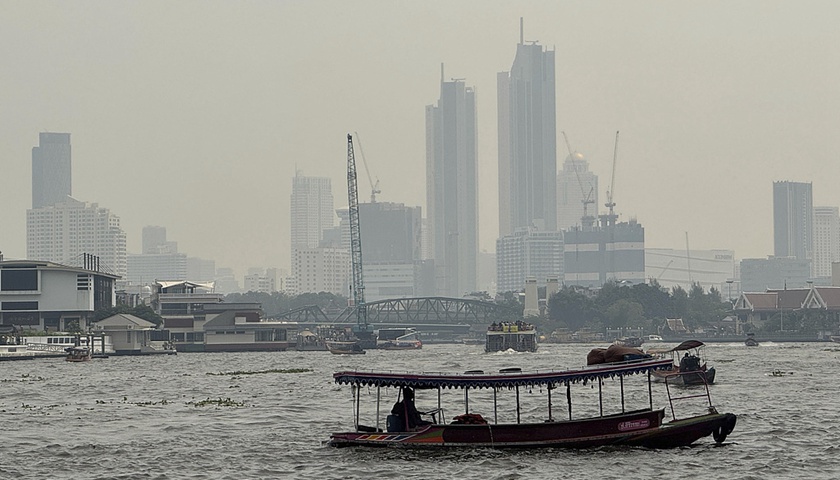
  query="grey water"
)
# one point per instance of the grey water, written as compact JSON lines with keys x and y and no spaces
{"x":215,"y":416}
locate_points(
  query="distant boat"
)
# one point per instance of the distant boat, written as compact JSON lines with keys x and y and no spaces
{"x":345,"y":348}
{"x":78,"y":354}
{"x":654,"y":338}
{"x":398,"y":339}
{"x":634,"y":342}
{"x":15,"y":352}
{"x":751,"y":341}
{"x":518,"y":336}
{"x":690,"y":369}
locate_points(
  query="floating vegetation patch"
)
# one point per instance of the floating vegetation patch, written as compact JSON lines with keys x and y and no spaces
{"x":260,"y":372}
{"x":150,"y":403}
{"x":23,"y":378}
{"x":217,"y":402}
{"x":147,"y":403}
{"x":43,"y":409}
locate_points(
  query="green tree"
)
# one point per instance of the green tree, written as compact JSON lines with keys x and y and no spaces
{"x":570,"y":309}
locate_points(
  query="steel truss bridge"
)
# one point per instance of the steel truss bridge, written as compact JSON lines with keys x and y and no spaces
{"x":412,"y":311}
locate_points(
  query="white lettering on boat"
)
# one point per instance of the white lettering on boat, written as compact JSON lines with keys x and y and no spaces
{"x":633,"y":425}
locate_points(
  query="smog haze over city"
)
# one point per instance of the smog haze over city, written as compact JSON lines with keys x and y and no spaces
{"x":195,"y":115}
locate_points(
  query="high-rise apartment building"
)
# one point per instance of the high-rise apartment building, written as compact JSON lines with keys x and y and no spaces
{"x":451,"y":187}
{"x":528,"y":253}
{"x":312,"y":209}
{"x":148,"y":268}
{"x":527,"y":141}
{"x":51,"y":170}
{"x":793,"y":220}
{"x":826,"y":240}
{"x":63,"y":232}
{"x":321,"y":269}
{"x":575,"y":183}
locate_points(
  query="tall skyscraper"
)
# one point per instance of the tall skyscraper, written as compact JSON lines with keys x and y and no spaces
{"x":574,"y":184}
{"x":451,"y":187}
{"x":793,"y":220}
{"x":51,"y":169}
{"x":63,"y":232}
{"x":826,"y":240}
{"x":313,"y":210}
{"x":527,"y":140}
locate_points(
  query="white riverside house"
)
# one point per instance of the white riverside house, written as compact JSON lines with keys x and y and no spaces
{"x":129,"y":334}
{"x":46,"y":296}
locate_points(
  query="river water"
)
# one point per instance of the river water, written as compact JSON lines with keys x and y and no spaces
{"x":192,"y":416}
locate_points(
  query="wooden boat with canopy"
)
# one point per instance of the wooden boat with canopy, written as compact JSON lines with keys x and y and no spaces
{"x":642,"y":427}
{"x":688,"y":360}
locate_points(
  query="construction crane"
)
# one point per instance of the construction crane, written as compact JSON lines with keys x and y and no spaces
{"x":586,"y":197}
{"x":362,"y":330}
{"x":374,"y":187}
{"x":611,"y":216}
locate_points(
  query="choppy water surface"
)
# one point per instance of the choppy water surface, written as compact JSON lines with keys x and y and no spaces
{"x":148,"y":417}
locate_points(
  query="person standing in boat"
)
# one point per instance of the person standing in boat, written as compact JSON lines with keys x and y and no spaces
{"x":407,"y":411}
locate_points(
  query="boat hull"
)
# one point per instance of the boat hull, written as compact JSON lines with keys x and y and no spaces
{"x":641,"y":428}
{"x":688,"y":378}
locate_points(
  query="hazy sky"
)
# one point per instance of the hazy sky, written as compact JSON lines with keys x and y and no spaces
{"x":194,"y":115}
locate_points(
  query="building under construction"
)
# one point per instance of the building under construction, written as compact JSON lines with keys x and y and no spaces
{"x":594,"y":256}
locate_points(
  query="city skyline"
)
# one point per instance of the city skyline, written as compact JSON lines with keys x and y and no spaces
{"x":195,"y":117}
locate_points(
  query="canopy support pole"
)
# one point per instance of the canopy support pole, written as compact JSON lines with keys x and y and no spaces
{"x":517,"y":404}
{"x":467,"y":400}
{"x":439,"y":409}
{"x":377,"y":407}
{"x":600,"y":397}
{"x":569,"y":397}
{"x":621,"y":379}
{"x":550,"y":418}
{"x":495,"y":407}
{"x":357,"y":390}
{"x":650,"y":391}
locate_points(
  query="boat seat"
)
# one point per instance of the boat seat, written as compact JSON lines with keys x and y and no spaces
{"x":393,"y":423}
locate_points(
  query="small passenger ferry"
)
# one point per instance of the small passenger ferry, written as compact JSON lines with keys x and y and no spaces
{"x":406,"y":427}
{"x":517,"y":336}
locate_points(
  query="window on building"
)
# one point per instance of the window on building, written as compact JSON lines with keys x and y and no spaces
{"x":17,"y":280}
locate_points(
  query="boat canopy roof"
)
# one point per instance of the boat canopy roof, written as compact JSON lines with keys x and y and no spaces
{"x":505,"y":378}
{"x":686,"y":345}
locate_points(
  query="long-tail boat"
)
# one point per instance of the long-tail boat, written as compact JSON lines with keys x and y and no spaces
{"x":646,"y":427}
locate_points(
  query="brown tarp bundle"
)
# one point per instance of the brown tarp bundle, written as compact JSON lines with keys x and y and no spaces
{"x":613,"y":353}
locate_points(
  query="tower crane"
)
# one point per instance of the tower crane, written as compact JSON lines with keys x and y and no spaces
{"x":362,"y":330}
{"x":586,"y":197}
{"x":611,"y":216}
{"x":374,"y":187}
